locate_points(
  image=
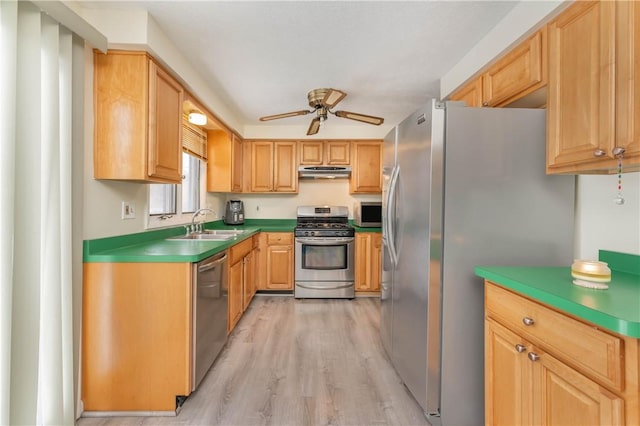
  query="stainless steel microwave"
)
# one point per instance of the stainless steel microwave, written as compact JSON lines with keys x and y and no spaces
{"x":368,"y":214}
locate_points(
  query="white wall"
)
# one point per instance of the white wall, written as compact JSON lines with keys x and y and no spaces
{"x":310,"y":192}
{"x":331,"y":130}
{"x":601,"y":223}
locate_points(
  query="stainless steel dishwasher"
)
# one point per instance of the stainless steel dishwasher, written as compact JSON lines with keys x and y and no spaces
{"x":210,"y":294}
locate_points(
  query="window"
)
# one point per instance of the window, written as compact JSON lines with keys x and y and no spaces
{"x":171,"y":204}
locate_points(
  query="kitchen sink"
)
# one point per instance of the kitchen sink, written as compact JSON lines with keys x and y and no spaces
{"x":233,"y":232}
{"x":209,"y":235}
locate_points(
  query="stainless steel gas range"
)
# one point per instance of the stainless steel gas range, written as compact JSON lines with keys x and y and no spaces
{"x":324,"y":253}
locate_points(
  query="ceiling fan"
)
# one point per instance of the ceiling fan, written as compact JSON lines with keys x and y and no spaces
{"x":322,"y":100}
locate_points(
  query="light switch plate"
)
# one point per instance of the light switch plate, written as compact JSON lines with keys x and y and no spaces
{"x":128,"y":210}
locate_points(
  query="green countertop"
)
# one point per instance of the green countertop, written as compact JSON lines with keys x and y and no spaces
{"x":364,"y":229}
{"x":152,"y":246}
{"x":616,"y":309}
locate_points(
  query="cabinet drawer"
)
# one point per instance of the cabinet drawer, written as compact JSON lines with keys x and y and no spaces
{"x":240,"y":250}
{"x":594,"y":352}
{"x":274,"y":238}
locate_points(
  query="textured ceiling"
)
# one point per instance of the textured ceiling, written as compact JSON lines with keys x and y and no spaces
{"x":262,"y":58}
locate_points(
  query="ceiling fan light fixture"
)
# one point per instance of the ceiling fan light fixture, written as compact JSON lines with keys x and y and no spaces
{"x":197,"y":118}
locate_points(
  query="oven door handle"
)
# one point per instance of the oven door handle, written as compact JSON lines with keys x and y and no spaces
{"x":322,"y":287}
{"x":324,"y":241}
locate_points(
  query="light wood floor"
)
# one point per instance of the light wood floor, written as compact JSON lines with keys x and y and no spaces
{"x":298,"y":362}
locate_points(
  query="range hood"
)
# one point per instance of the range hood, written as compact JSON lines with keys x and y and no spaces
{"x":324,"y":172}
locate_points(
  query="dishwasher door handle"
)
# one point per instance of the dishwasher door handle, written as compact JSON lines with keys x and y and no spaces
{"x":211,"y":265}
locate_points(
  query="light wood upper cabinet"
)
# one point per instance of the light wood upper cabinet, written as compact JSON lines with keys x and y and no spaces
{"x":261,"y":166}
{"x":520,"y":72}
{"x":554,"y":369}
{"x":366,"y":168}
{"x":593,"y":95}
{"x":330,"y":153}
{"x":311,"y":153}
{"x":337,"y":153}
{"x":368,"y":261}
{"x":224,"y":161}
{"x":471,"y":93}
{"x":628,"y":81}
{"x":138,"y":119}
{"x":273,"y":166}
{"x":285,"y":178}
{"x":515,"y":75}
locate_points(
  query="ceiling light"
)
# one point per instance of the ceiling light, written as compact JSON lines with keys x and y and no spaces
{"x":197,"y":118}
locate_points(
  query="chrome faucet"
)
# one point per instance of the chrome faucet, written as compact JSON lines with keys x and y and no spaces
{"x":198,"y":227}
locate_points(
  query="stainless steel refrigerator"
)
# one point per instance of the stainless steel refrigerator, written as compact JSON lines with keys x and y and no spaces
{"x":462,"y":187}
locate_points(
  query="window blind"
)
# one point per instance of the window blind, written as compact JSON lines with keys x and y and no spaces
{"x":194,"y":139}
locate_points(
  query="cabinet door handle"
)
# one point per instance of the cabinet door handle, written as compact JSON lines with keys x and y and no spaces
{"x":618,"y":152}
{"x":528,"y":321}
{"x":520,"y":348}
{"x":533,"y":356}
{"x":599,"y":153}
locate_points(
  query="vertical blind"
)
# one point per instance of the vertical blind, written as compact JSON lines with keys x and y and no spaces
{"x":36,"y":334}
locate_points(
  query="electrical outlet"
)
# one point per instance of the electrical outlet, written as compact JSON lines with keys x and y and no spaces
{"x":128,"y":210}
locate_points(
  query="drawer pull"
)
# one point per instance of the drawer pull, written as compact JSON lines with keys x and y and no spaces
{"x":599,"y":153}
{"x":528,"y":321}
{"x":533,"y":356}
{"x":520,"y":348}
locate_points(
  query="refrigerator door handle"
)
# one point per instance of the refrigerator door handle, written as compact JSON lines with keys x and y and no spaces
{"x":391,"y":214}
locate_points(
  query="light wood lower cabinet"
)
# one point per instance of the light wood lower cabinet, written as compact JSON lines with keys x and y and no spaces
{"x":136,"y":336}
{"x":368,"y":261}
{"x":543,"y":367}
{"x":236,"y":272}
{"x":241,"y":280}
{"x":276,"y":261}
{"x":250,"y":273}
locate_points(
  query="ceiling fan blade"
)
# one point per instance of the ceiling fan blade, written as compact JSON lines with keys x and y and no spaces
{"x":314,"y":126}
{"x":332,"y":97}
{"x":370,"y":119}
{"x":285,"y":115}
